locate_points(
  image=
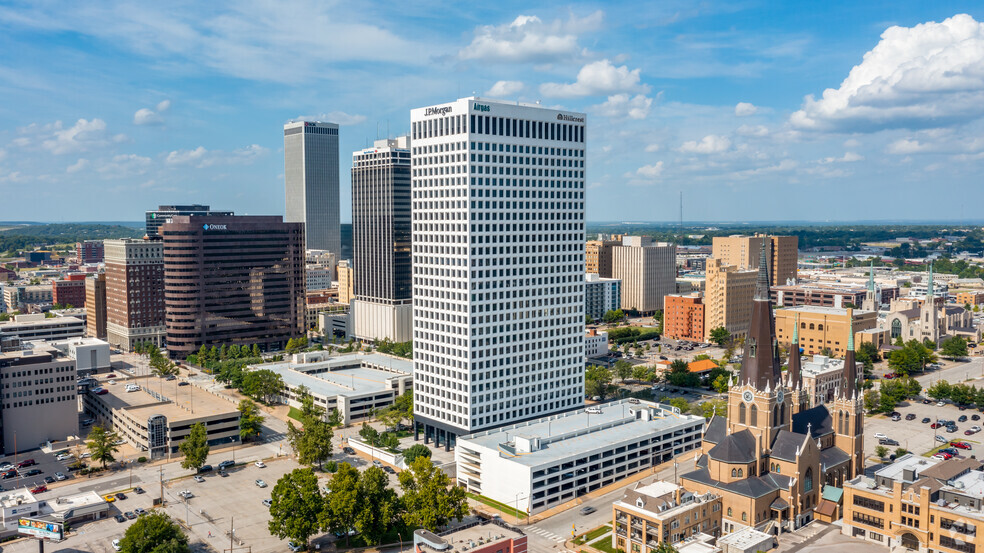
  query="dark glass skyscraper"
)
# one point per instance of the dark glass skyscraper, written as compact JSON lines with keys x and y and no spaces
{"x":232,"y":280}
{"x":159,"y":216}
{"x":381,"y":235}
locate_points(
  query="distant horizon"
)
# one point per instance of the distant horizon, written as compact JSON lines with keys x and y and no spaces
{"x":670,"y":224}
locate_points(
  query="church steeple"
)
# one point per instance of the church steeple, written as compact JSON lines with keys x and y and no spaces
{"x":760,"y":366}
{"x":929,"y":286}
{"x":871,"y":277}
{"x":850,"y":384}
{"x":871,"y":299}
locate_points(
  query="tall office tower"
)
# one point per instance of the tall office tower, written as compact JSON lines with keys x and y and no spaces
{"x":89,"y":251}
{"x":728,"y":298}
{"x":311,"y":181}
{"x":743,"y":252}
{"x":156,"y":218}
{"x":95,"y":306}
{"x":134,"y":292}
{"x":232,"y":280}
{"x":498,"y":264}
{"x":381,"y":238}
{"x":647,"y":271}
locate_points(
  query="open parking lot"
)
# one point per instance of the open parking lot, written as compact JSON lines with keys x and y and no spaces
{"x":917,"y":436}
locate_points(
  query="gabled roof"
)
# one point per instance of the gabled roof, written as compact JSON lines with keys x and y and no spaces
{"x":753,"y":486}
{"x":715,"y":430}
{"x":950,"y":469}
{"x":735,"y":448}
{"x":704,"y":365}
{"x":817,"y":418}
{"x":786,"y":445}
{"x":833,"y":493}
{"x":831,"y":457}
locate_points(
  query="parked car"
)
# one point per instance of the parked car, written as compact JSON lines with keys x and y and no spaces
{"x":199,"y":479}
{"x":896,"y":418}
{"x":120,"y":518}
{"x":260,"y":483}
{"x":185,"y":494}
{"x":961,"y":445}
{"x":116,"y":545}
{"x":348,"y":450}
{"x":26,"y":463}
{"x":587,"y":510}
{"x":138,"y":490}
{"x":49,"y":479}
{"x":39,"y":489}
{"x":130,"y":515}
{"x":941,"y":439}
{"x":910,"y":417}
{"x":205,"y":468}
{"x":33,"y":472}
{"x":927,"y":401}
{"x":294,"y":547}
{"x":880,"y":436}
{"x":139,"y":511}
{"x":975,"y":417}
{"x":975,"y":428}
{"x":940,"y":404}
{"x":925,"y":420}
{"x":260,"y":465}
{"x":120,"y":495}
{"x":12,"y":473}
{"x":267,"y":503}
{"x":226,"y":464}
{"x":962,"y":418}
{"x":223,"y":473}
{"x":934,"y":426}
{"x":60,"y":476}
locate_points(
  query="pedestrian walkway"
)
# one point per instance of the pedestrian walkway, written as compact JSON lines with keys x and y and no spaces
{"x":544,"y":533}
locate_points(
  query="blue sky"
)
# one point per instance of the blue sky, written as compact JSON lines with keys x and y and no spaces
{"x":756,"y":110}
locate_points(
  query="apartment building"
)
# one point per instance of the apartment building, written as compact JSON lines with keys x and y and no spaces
{"x":552,"y":460}
{"x":972,"y":298}
{"x":134,"y":292}
{"x":498,"y":264}
{"x":822,"y":327}
{"x":822,"y":378}
{"x":683,"y":317}
{"x":37,"y":327}
{"x":663,"y":512}
{"x":601,"y":295}
{"x":39,"y":400}
{"x":728,"y":299}
{"x":647,"y":271}
{"x":918,"y":503}
{"x":21,"y":298}
{"x":89,"y":251}
{"x":69,"y":291}
{"x":743,"y":252}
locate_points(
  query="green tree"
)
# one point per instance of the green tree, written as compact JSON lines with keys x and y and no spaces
{"x":195,"y":447}
{"x":416,"y":450}
{"x":680,"y":404}
{"x":954,"y":347}
{"x":613,"y":316}
{"x":881,"y":451}
{"x":312,"y":442}
{"x":342,"y":502}
{"x":680,"y":375}
{"x":256,"y":351}
{"x":429,"y":497}
{"x":102,"y":445}
{"x":872,"y":401}
{"x":642,"y":373}
{"x":721,"y":384}
{"x":596,"y":381}
{"x":250,"y":419}
{"x":154,"y":532}
{"x":825,"y":351}
{"x":296,"y":505}
{"x":867,"y":355}
{"x":711,"y":407}
{"x":900,"y":451}
{"x":380,"y":507}
{"x":940,"y":390}
{"x":720,"y":336}
{"x":262,"y":384}
{"x":623,"y":369}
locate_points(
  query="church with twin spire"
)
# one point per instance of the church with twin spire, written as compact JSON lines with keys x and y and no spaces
{"x":771,"y":456}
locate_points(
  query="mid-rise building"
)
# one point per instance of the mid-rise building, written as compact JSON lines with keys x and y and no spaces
{"x":743,"y":251}
{"x":22,"y":298}
{"x":39,"y":396}
{"x":918,"y":504}
{"x":232,"y":280}
{"x":95,"y":306}
{"x":822,"y":327}
{"x":134,"y":292}
{"x":822,"y":379}
{"x":154,"y":219}
{"x":346,"y":280}
{"x":91,"y":355}
{"x":683,"y":317}
{"x":311,"y":182}
{"x":647,"y":271}
{"x":498,"y":264}
{"x":317,"y":278}
{"x":971,"y":298}
{"x":89,"y":251}
{"x":728,"y":299}
{"x":69,"y":291}
{"x":37,"y":327}
{"x":598,"y":258}
{"x":601,"y":295}
{"x":381,"y":219}
{"x":823,"y":294}
{"x":663,"y":512}
{"x":556,"y":459}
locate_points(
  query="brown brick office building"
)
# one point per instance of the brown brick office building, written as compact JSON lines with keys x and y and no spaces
{"x":232,"y":280}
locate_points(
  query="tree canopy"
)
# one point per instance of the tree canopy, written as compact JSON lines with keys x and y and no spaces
{"x":154,"y":532}
{"x":429,"y":497}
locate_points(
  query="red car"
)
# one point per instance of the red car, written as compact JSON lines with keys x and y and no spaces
{"x":889,"y":376}
{"x":961,"y":445}
{"x":936,"y":425}
{"x":26,"y":463}
{"x":39,"y":489}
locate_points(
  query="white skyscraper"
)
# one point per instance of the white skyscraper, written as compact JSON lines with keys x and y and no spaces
{"x":311,"y":182}
{"x":498,"y":264}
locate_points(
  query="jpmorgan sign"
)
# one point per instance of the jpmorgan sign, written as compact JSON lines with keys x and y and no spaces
{"x":437,"y":111}
{"x":214,"y":227}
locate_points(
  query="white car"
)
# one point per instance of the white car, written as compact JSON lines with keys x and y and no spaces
{"x":185,"y":494}
{"x":880,"y":436}
{"x":60,"y":476}
{"x":261,"y":483}
{"x":260,"y":465}
{"x":116,"y":545}
{"x":975,"y":428}
{"x":199,"y":479}
{"x":64,"y":456}
{"x":940,"y":404}
{"x":111,"y":382}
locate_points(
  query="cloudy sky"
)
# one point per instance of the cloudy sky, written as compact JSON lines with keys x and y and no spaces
{"x":754,"y":109}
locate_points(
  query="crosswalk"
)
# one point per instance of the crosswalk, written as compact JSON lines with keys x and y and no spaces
{"x":544,"y":534}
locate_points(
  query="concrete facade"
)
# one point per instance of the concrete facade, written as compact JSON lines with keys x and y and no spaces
{"x":601,"y":295}
{"x":743,"y":253}
{"x":728,"y":299}
{"x":39,"y":396}
{"x":647,"y":272}
{"x":311,"y":174}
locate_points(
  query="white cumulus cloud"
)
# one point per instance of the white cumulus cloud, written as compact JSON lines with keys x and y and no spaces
{"x":710,"y":144}
{"x":743,"y":109}
{"x":79,"y":137}
{"x":502,"y":89}
{"x":147,"y":116}
{"x":620,"y":106}
{"x":926,"y":76}
{"x":597,"y":78}
{"x":79,"y":165}
{"x":528,"y":39}
{"x":183,"y":157}
{"x":338,"y":117}
{"x":848,"y":157}
{"x":650,"y":171}
{"x":757,"y":131}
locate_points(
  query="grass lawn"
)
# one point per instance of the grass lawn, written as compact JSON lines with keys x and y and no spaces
{"x":593,"y":535}
{"x":393,"y":536}
{"x":604,"y":544}
{"x":496,"y":505}
{"x":295,"y":414}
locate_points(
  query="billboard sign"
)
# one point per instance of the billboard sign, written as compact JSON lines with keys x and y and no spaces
{"x":43,"y":529}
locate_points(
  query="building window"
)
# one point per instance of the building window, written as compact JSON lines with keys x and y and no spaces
{"x":734,"y":473}
{"x":868,"y":519}
{"x":729,"y":511}
{"x":896,"y":328}
{"x":744,"y":517}
{"x":868,"y":503}
{"x":808,"y":480}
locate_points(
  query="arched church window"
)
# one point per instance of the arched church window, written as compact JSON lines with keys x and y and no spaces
{"x":896,"y":328}
{"x":778,"y":469}
{"x":819,"y":327}
{"x":811,"y":326}
{"x":734,"y":473}
{"x":808,"y":480}
{"x":744,"y":517}
{"x":729,"y":512}
{"x":802,"y":325}
{"x":752,"y":347}
{"x":755,"y":413}
{"x":740,"y":473}
{"x":741,"y":414}
{"x":775,"y":416}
